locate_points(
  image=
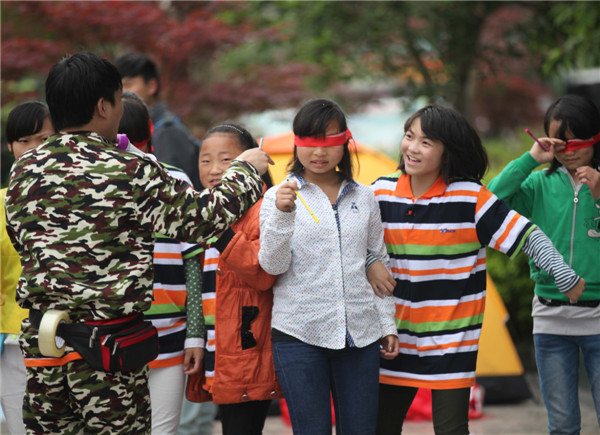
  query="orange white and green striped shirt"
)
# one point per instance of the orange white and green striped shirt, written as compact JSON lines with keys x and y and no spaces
{"x":437,"y":246}
{"x":177,"y":305}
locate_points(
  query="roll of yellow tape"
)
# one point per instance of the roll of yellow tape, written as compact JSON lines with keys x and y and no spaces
{"x":50,"y":344}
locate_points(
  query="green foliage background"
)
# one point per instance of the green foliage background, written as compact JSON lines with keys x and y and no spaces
{"x":512,"y":276}
{"x":492,"y":60}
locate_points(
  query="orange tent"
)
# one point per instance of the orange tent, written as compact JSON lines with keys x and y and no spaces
{"x":372,"y":164}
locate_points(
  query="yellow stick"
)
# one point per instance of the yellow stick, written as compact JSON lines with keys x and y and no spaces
{"x":306,"y":205}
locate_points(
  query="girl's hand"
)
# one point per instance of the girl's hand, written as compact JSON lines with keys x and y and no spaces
{"x":591,"y":178}
{"x":192,"y":360}
{"x":381,"y":279}
{"x":575,"y":293}
{"x":542,"y":156}
{"x":390,"y":347}
{"x":285,"y":198}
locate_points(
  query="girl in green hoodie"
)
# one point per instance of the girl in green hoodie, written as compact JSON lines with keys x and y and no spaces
{"x":564,"y":201}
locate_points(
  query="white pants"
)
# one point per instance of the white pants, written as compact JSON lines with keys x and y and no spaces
{"x":166,"y":395}
{"x":12,"y":387}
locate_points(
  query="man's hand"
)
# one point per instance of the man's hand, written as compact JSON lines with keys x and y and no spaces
{"x":257,"y":158}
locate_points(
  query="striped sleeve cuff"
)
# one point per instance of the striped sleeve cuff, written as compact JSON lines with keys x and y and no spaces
{"x":371,"y":259}
{"x":545,"y":256}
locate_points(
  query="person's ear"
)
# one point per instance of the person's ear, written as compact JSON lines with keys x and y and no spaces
{"x":101,"y":107}
{"x":10,"y":148}
{"x":152,"y":87}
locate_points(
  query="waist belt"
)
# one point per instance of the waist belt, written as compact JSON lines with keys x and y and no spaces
{"x":92,"y":328}
{"x":556,"y":303}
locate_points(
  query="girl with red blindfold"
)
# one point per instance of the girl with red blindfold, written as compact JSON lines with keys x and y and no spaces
{"x":564,"y":201}
{"x":328,"y":327}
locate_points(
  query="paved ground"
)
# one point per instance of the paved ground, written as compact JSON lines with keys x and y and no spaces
{"x":524,"y":418}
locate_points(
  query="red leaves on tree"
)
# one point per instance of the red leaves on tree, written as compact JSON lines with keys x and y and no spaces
{"x":185,"y":39}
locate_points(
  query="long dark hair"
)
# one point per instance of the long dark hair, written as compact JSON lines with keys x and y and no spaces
{"x":244,"y":138}
{"x":312,"y":120}
{"x":464,"y":156}
{"x":580,"y":116}
{"x":135,"y":122}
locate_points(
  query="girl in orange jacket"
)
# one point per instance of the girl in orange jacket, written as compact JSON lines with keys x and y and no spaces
{"x":237,"y":300}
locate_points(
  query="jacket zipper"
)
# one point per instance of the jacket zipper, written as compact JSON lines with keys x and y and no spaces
{"x":575,"y":201}
{"x":576,"y":189}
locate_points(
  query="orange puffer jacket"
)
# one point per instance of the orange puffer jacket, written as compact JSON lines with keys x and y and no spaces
{"x":244,"y":371}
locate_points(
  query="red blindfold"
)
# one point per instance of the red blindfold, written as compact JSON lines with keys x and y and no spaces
{"x":575,"y":144}
{"x":327,"y":141}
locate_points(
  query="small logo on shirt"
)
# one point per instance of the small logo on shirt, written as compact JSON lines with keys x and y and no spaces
{"x":446,"y":230}
{"x":354,"y":208}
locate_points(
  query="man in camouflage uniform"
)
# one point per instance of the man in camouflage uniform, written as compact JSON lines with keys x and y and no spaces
{"x":82,"y":214}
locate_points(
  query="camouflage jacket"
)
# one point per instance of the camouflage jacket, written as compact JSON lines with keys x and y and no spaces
{"x":82,"y":214}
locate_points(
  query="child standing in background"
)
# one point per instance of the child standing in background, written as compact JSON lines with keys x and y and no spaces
{"x":327,"y":323}
{"x":28,"y":125}
{"x":177,"y":305}
{"x":438,"y":220}
{"x":564,"y":201}
{"x":237,"y":300}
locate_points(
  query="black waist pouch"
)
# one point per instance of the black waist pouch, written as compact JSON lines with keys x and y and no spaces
{"x":113,"y":345}
{"x":121,"y":345}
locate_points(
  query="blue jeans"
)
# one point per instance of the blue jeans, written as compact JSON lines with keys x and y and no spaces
{"x":309,"y":374}
{"x":557,"y":359}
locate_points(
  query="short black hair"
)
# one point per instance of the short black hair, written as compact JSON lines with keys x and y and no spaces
{"x":464,"y":156}
{"x":579,"y":115}
{"x":26,"y":119}
{"x":134,"y":65}
{"x":74,"y":86}
{"x":135,"y":122}
{"x":312,"y":120}
{"x":245,"y":140}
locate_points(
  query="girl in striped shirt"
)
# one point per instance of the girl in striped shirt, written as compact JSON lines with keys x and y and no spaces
{"x":177,"y":290}
{"x":438,"y":220}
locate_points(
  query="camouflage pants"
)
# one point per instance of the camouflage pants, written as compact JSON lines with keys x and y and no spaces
{"x":75,"y":399}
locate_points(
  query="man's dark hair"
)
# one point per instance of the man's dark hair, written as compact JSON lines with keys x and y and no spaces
{"x":74,"y":86}
{"x":134,"y":65}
